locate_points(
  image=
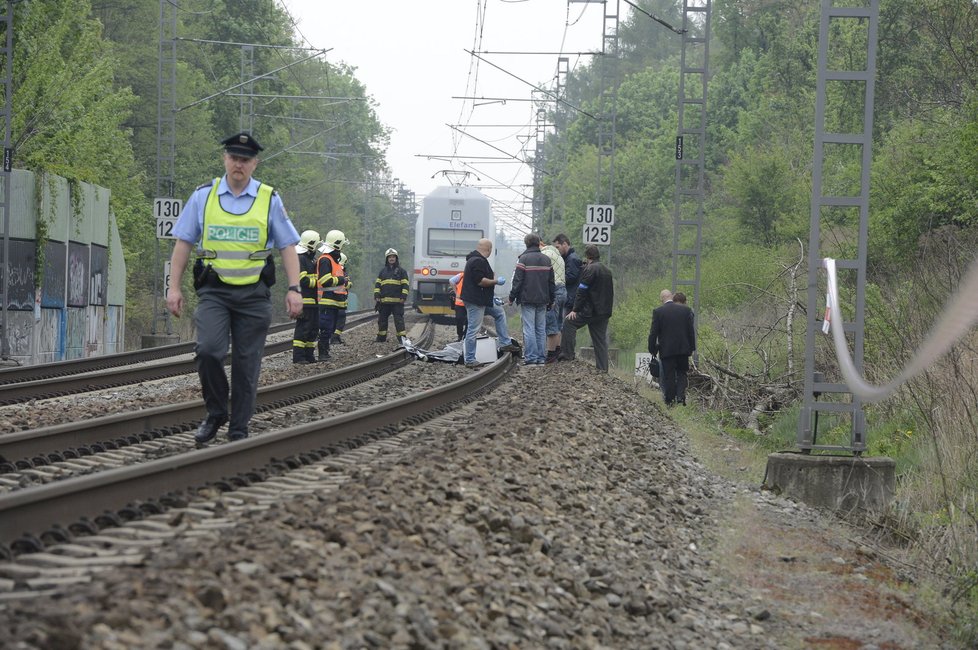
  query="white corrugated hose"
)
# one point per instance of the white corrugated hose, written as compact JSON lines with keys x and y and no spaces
{"x":956,"y":321}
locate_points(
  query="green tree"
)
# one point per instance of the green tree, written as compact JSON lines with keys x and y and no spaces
{"x":764,"y":195}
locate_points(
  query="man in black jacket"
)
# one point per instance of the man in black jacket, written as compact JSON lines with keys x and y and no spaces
{"x":592,"y":307}
{"x":534,"y":289}
{"x":478,"y":287}
{"x":673,"y":337}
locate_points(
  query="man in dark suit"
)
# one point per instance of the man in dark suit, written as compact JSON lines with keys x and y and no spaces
{"x":673,"y":337}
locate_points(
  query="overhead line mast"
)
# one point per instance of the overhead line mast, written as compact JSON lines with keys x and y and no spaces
{"x":694,"y":73}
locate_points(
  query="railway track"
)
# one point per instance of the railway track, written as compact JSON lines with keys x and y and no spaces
{"x":57,"y":511}
{"x":91,"y":364}
{"x":49,"y":380}
{"x":63,"y":443}
{"x":84,"y":505}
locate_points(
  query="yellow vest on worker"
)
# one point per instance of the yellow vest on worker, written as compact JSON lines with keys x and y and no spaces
{"x":235,"y":244}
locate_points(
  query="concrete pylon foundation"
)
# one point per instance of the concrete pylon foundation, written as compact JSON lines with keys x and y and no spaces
{"x":839,"y":483}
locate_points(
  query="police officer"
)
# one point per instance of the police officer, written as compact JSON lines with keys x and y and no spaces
{"x":390,"y":293}
{"x":307,"y":327}
{"x":235,"y":222}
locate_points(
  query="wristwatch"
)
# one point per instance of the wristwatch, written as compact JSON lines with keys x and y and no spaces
{"x":295,"y":287}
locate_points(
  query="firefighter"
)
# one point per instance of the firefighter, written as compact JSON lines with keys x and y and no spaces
{"x":341,"y":316}
{"x":390,"y":294}
{"x":307,"y":326}
{"x":332,"y":288}
{"x":461,"y":316}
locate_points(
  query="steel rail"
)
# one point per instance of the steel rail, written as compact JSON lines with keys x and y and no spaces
{"x":106,"y":361}
{"x":79,"y":499}
{"x":76,"y":382}
{"x":103,"y":362}
{"x":38,"y":447}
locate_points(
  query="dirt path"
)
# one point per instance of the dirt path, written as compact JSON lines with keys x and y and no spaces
{"x":814,"y":581}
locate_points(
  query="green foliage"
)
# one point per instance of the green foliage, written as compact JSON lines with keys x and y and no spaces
{"x":925,"y":177}
{"x":629,"y":328}
{"x":766,"y":195}
{"x":732,"y":274}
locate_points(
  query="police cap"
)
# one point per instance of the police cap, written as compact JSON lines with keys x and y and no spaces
{"x":242,"y":144}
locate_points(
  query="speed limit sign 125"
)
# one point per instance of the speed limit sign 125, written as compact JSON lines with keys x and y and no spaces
{"x":594,"y":234}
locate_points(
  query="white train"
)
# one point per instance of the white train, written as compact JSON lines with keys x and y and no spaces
{"x":452,"y":220}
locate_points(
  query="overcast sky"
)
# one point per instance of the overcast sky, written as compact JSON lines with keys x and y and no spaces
{"x":411,"y":57}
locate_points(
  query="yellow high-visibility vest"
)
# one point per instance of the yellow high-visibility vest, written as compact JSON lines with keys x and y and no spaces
{"x":235,"y":245}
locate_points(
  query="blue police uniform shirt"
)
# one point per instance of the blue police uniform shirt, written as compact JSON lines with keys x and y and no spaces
{"x":190,"y":224}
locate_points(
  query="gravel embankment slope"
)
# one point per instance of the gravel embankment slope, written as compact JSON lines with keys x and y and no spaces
{"x":560,"y":511}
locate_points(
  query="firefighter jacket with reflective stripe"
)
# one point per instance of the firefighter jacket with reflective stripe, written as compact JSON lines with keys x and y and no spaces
{"x":391,"y":284}
{"x":458,"y":290}
{"x":308,"y":279}
{"x":235,"y":244}
{"x":332,"y":289}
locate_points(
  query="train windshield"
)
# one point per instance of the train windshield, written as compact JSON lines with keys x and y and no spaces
{"x":452,"y":242}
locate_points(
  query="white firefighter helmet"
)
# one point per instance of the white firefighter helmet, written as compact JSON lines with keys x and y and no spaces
{"x":391,"y":251}
{"x":336,"y":239}
{"x":308,"y":241}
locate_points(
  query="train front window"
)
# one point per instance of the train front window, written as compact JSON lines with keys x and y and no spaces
{"x":452,"y":242}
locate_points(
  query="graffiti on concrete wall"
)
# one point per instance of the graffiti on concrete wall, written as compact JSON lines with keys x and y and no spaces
{"x":20,"y":282}
{"x":98,"y":290}
{"x":77,"y":275}
{"x":53,"y":286}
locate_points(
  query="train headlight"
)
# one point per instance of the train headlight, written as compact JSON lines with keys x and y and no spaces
{"x":424,"y":271}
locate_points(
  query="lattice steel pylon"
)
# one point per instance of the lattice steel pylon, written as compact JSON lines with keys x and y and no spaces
{"x":166,"y":133}
{"x":8,"y":94}
{"x":687,"y":231}
{"x":246,"y":119}
{"x":560,"y":126}
{"x":833,"y":143}
{"x":539,"y":161}
{"x":608,"y":104}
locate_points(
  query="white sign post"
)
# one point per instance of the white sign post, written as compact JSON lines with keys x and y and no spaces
{"x":166,"y":211}
{"x":642,"y":360}
{"x":598,"y":220}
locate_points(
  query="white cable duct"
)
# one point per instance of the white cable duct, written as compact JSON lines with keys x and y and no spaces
{"x":956,"y":320}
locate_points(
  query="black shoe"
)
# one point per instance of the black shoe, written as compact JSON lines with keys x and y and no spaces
{"x":324,"y":358}
{"x":380,"y":340}
{"x":512,"y":346}
{"x":336,"y":339}
{"x":208,"y":429}
{"x":237,"y":435}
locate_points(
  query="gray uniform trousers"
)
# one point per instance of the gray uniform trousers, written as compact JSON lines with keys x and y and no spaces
{"x":598,"y":329}
{"x":239,"y":315}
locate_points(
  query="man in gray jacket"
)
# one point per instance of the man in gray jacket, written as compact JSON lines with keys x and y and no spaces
{"x":534,"y":289}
